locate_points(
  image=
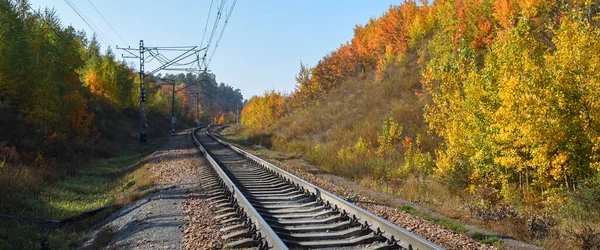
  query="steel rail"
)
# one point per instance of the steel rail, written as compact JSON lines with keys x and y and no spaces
{"x":272,"y":240}
{"x":392,"y":232}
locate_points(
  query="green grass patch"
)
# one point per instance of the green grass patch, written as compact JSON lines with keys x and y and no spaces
{"x":99,"y":183}
{"x":447,"y":223}
{"x":485,"y":239}
{"x":407,"y":208}
{"x":92,"y":187}
{"x":494,"y":241}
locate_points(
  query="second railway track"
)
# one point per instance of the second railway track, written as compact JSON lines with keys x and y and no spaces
{"x":288,"y":212}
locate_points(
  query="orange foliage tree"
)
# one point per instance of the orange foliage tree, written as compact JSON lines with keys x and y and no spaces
{"x":79,"y":119}
{"x":221,"y":119}
{"x":377,"y":45}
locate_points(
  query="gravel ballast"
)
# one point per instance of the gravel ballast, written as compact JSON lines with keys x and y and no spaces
{"x":174,"y":217}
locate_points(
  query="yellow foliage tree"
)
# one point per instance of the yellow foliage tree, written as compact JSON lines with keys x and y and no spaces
{"x":93,"y":82}
{"x":523,"y":114}
{"x":389,"y":137}
{"x":262,"y":111}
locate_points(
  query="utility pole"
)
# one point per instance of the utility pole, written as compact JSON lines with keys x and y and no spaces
{"x":173,"y":118}
{"x":197,"y":111}
{"x":237,"y":113}
{"x":198,"y":99}
{"x":143,"y":123}
{"x":173,"y":111}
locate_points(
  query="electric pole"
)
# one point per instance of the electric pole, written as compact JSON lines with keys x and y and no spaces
{"x":173,"y":111}
{"x":198,"y":99}
{"x":172,"y":105}
{"x":143,"y":124}
{"x":197,"y":111}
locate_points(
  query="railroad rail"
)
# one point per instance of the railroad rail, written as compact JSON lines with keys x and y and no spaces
{"x":282,"y":211}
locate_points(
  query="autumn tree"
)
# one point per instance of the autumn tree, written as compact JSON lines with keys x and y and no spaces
{"x":262,"y":111}
{"x":519,"y":115}
{"x":389,"y":137}
{"x":79,"y":118}
{"x":508,"y":86}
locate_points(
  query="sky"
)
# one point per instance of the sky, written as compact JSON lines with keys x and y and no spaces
{"x":262,"y":45}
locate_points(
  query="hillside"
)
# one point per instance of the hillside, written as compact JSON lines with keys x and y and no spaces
{"x":485,"y":110}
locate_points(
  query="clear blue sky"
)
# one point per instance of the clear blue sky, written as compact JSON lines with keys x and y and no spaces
{"x":263,"y":43}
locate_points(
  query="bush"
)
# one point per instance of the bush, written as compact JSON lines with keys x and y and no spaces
{"x":588,"y":237}
{"x":415,"y":160}
{"x":389,"y":137}
{"x":358,"y":154}
{"x":590,"y":194}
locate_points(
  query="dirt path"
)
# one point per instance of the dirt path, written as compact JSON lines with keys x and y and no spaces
{"x":175,"y":217}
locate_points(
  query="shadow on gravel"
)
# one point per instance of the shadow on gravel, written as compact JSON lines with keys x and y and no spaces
{"x":134,"y":207}
{"x":135,"y":227}
{"x":150,"y":222}
{"x":128,"y":209}
{"x":159,"y":157}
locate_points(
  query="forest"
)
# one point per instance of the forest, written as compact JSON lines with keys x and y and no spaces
{"x":473,"y":107}
{"x":54,"y":80}
{"x":65,"y":103}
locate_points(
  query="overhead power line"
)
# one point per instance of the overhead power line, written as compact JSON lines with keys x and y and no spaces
{"x":206,"y":25}
{"x":212,"y":33}
{"x":216,"y":23}
{"x":222,"y":31}
{"x":111,"y":27}
{"x":86,"y":22}
{"x":90,"y":24}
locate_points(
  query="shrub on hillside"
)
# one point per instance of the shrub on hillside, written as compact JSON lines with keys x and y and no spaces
{"x":389,"y":137}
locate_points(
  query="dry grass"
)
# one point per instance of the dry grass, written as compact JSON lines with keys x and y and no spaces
{"x":358,"y":108}
{"x":351,"y":111}
{"x":135,"y":185}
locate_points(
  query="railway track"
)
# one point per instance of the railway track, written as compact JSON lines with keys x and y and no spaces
{"x":275,"y":209}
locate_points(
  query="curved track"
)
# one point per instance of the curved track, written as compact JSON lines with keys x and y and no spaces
{"x":302,"y":219}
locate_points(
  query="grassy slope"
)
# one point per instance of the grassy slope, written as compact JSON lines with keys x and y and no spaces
{"x":357,"y":109}
{"x":102,"y":182}
{"x":91,"y":172}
